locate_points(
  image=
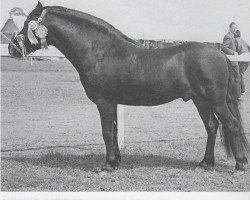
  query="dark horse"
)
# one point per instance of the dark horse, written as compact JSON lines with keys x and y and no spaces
{"x":114,"y":69}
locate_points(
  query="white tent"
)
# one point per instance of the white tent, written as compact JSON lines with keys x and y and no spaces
{"x":8,"y":29}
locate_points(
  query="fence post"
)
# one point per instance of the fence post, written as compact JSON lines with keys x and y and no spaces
{"x":120,"y":126}
{"x":31,"y":60}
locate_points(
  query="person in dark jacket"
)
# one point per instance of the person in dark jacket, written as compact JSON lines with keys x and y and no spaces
{"x":229,"y":45}
{"x":242,"y":47}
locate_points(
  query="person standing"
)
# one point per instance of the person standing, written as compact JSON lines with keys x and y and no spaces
{"x":229,"y":47}
{"x":242,"y":47}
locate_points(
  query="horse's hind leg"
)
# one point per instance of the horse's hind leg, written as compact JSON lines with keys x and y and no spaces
{"x":232,"y":129}
{"x":107,"y":110}
{"x":211,"y":125}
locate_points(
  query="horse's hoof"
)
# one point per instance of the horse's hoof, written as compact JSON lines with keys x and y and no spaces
{"x":97,"y":170}
{"x":204,"y":164}
{"x":108,"y":168}
{"x":240,"y":166}
{"x":102,"y":173}
{"x":199,"y":169}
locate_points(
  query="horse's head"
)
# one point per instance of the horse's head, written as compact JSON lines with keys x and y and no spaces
{"x":29,"y":39}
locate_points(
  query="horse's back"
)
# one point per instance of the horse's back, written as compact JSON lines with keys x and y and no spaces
{"x":153,"y":77}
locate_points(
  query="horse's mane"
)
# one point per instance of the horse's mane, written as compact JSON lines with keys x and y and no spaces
{"x":102,"y":25}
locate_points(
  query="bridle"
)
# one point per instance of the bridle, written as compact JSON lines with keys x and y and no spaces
{"x":40,"y":31}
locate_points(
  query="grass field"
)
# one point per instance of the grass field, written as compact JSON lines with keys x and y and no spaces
{"x":51,"y":139}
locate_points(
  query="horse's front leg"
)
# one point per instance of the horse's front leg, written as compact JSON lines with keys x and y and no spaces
{"x":107,"y":111}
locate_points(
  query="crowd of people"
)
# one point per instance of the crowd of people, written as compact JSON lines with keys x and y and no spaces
{"x":233,"y":44}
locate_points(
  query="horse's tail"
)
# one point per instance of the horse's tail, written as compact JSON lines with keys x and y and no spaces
{"x":233,"y":94}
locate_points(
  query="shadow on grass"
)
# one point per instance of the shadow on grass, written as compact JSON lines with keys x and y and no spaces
{"x":91,"y":161}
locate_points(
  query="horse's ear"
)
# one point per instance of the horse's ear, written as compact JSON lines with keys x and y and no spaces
{"x":39,"y":5}
{"x":38,"y":9}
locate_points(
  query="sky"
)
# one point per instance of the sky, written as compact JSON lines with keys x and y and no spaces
{"x":192,"y":20}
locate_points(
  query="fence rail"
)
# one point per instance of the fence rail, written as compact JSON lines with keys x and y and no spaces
{"x":245,"y":57}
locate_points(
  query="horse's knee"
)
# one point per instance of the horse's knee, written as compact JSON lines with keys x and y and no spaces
{"x":213,"y":127}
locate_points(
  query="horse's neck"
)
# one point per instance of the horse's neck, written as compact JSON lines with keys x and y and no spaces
{"x":76,"y":41}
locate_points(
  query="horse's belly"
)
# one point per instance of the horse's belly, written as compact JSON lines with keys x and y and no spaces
{"x":147,"y":96}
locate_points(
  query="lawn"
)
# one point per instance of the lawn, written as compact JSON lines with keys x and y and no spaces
{"x":51,"y":138}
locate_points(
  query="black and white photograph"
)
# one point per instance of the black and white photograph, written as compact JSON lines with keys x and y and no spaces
{"x":125,"y":96}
